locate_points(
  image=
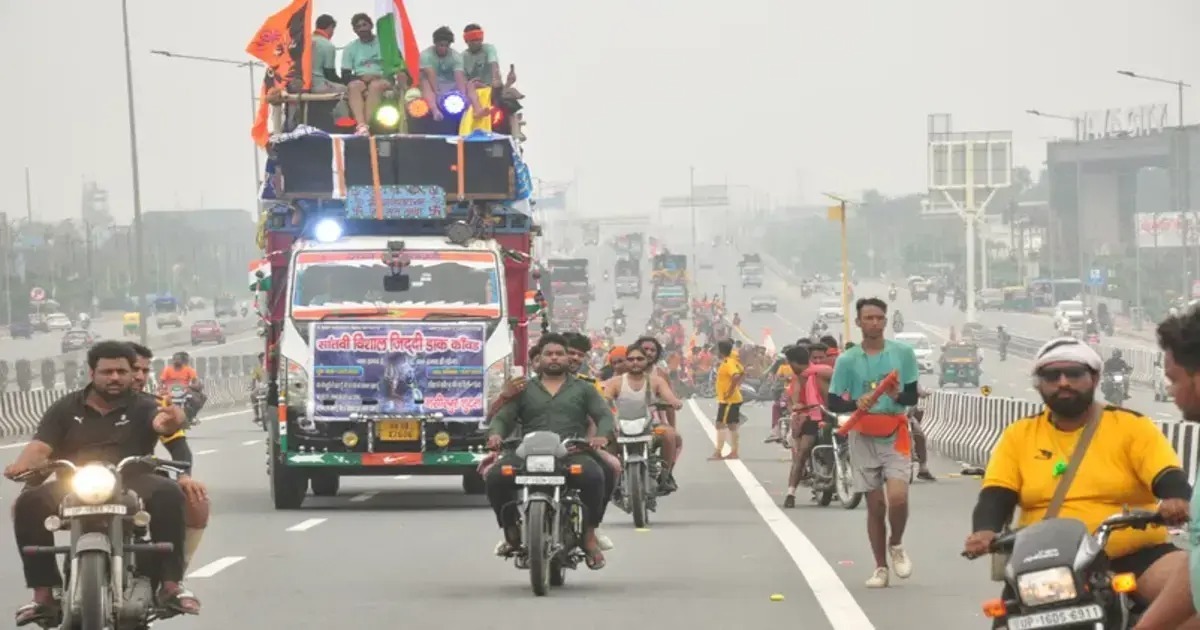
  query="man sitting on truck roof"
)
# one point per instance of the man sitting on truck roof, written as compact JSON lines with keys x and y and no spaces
{"x":481,"y":63}
{"x":324,"y":75}
{"x":442,"y":71}
{"x":362,"y":71}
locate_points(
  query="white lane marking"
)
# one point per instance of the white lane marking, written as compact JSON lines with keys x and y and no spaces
{"x":251,"y":442}
{"x":228,"y":414}
{"x":215,"y":567}
{"x":304,"y":526}
{"x":359,"y":498}
{"x":13,"y":445}
{"x":840,"y":607}
{"x":402,"y":477}
{"x":206,"y":452}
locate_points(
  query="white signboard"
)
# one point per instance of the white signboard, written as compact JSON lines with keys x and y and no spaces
{"x":1167,"y":229}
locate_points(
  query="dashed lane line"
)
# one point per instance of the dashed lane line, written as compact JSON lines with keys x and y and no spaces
{"x":360,"y":498}
{"x":215,"y":567}
{"x":306,"y":525}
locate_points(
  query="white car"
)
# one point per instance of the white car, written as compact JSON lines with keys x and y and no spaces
{"x":168,"y":319}
{"x":763,"y":303}
{"x":831,"y":311}
{"x":58,"y":321}
{"x":1069,"y":315}
{"x":921,"y":347}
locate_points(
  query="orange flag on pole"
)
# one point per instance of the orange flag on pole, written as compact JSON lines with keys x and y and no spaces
{"x":284,"y":44}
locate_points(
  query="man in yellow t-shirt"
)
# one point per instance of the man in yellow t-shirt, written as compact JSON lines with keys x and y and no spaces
{"x":729,"y":400}
{"x":1129,"y":463}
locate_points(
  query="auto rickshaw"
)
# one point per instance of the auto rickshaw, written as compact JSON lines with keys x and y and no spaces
{"x":959,"y":365}
{"x":920,"y":291}
{"x":131,"y":322}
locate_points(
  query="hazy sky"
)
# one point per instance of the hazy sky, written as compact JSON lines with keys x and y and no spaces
{"x":793,"y":97}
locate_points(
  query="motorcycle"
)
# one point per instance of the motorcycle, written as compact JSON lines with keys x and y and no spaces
{"x":245,"y":311}
{"x":108,"y":529}
{"x":642,"y":468}
{"x":1049,"y":559}
{"x":898,"y":325}
{"x":892,"y":295}
{"x":1115,"y":388}
{"x":258,"y":400}
{"x":619,"y":325}
{"x":829,"y":466}
{"x":551,"y":513}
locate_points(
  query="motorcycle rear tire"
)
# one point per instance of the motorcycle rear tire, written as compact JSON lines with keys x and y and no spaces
{"x":638,"y":499}
{"x":95,"y":601}
{"x":537,"y":545}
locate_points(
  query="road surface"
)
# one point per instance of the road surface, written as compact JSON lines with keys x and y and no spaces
{"x":415,"y":551}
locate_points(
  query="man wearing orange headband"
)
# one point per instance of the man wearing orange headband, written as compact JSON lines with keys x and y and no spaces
{"x":442,"y":72}
{"x":480,"y":61}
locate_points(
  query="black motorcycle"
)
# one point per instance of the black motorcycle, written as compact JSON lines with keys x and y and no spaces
{"x":551,"y":513}
{"x":829,"y":466}
{"x":108,"y":528}
{"x":643,"y":468}
{"x":1057,"y":576}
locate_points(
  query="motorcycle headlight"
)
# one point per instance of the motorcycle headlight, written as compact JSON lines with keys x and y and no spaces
{"x":539,"y":463}
{"x":1117,"y":378}
{"x":633,"y":427}
{"x":93,"y":484}
{"x":1047,"y":586}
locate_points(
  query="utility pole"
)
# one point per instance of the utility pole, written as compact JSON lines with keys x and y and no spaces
{"x":137,"y":290}
{"x":28,"y":198}
{"x":8,"y":261}
{"x":692,"y":205}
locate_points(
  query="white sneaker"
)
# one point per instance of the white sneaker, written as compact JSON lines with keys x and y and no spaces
{"x":878,"y":579}
{"x":606,"y":543}
{"x":901,"y":563}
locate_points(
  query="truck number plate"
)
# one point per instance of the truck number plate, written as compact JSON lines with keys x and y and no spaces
{"x":399,"y":430}
{"x":1055,"y":618}
{"x":93,"y":510}
{"x":537,"y":480}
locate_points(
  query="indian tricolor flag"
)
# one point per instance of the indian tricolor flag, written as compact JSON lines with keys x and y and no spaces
{"x":256,"y":266}
{"x":397,"y":41}
{"x":531,"y":304}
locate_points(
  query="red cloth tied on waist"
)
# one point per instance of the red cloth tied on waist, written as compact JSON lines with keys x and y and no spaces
{"x":879,"y":424}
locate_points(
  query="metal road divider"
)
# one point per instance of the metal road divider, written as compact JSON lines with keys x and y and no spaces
{"x":966,"y":427}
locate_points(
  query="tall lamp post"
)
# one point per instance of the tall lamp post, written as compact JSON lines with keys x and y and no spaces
{"x":838,"y":213}
{"x":249,"y":66}
{"x":137,"y":288}
{"x":1180,"y":188}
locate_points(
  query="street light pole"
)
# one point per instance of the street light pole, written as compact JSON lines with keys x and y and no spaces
{"x":137,"y":289}
{"x":840,"y":211}
{"x":250,"y":66}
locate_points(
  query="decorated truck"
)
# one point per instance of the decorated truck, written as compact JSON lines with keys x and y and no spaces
{"x":569,"y":294}
{"x":393,"y":296}
{"x":670,"y":284}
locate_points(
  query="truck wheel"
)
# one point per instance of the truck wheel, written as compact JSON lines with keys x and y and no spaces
{"x":288,"y":486}
{"x":325,"y":484}
{"x":472,"y":483}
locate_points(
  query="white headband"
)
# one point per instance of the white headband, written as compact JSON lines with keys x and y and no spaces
{"x":1066,"y":350}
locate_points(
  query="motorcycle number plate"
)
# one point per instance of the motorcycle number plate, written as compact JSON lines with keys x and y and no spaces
{"x":621,"y":439}
{"x":94,"y":510}
{"x":1056,"y":618}
{"x":540,"y":480}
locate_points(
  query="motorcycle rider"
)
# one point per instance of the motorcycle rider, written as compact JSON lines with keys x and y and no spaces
{"x":1140,"y":470}
{"x":559,"y":402}
{"x":1116,"y":363}
{"x":182,"y":374}
{"x":892,"y":292}
{"x":258,"y":380}
{"x":196,"y":510}
{"x":897,"y":319}
{"x":633,"y":401}
{"x":1091,"y":327}
{"x":106,"y":400}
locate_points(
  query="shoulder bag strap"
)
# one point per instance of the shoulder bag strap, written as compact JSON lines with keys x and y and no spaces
{"x":1081,"y":447}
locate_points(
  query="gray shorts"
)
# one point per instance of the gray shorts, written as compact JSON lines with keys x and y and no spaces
{"x":874,"y":460}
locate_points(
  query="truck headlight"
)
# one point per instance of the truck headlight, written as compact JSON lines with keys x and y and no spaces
{"x":633,"y":427}
{"x":1047,"y":586}
{"x":93,"y":484}
{"x":539,"y":463}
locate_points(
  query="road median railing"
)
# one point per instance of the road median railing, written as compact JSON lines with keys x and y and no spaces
{"x":966,"y":427}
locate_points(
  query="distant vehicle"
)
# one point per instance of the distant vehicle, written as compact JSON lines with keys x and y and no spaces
{"x":207,"y":330}
{"x":58,"y":321}
{"x":831,"y":311}
{"x":1069,"y":316}
{"x":20,"y":330}
{"x":172,"y":319}
{"x":764,"y":303}
{"x":921,"y":347}
{"x":77,"y":340}
{"x":225,"y":307}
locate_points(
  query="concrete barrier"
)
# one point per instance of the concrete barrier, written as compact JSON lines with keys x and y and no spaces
{"x":966,"y":427}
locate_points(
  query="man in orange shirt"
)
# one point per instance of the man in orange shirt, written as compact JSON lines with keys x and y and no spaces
{"x":179,"y":373}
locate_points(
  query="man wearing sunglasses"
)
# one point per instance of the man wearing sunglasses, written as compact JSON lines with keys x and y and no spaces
{"x":1128,"y":462}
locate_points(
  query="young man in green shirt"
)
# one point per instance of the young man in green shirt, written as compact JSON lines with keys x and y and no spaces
{"x":325,"y":79}
{"x":481,"y":63}
{"x":362,"y":70}
{"x":442,"y":71}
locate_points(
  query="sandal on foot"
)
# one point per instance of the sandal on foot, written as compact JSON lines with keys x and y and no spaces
{"x":42,"y":614}
{"x":594,"y":559}
{"x":180,"y":601}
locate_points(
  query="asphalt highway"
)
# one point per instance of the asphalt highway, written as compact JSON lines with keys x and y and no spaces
{"x":414,"y":551}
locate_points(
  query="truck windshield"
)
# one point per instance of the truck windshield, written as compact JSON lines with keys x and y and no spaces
{"x":351,"y":283}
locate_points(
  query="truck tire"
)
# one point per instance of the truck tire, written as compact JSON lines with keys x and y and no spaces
{"x":288,"y":485}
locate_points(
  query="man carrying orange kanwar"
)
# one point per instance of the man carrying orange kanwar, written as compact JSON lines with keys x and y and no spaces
{"x":880,"y":446}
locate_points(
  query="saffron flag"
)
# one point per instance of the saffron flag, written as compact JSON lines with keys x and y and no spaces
{"x":397,"y":41}
{"x":284,"y":44}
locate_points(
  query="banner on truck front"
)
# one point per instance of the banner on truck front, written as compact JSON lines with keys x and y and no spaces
{"x":398,"y":369}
